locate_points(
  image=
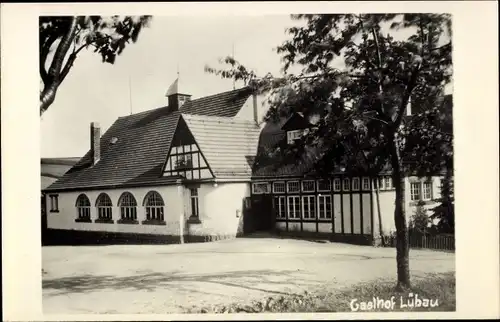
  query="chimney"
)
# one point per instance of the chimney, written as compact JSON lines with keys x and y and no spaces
{"x":256,"y":115}
{"x":95,"y":142}
{"x":408,"y":107}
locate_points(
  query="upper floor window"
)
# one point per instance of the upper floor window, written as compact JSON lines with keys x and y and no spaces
{"x":336,"y":184}
{"x":104,"y":206}
{"x":83,"y":207}
{"x":355,"y":183}
{"x":366,"y":183}
{"x":293,"y":135}
{"x":293,"y":186}
{"x":324,"y":185}
{"x":128,"y":206}
{"x":154,"y":205}
{"x":346,"y":184}
{"x":427,"y":190}
{"x":278,"y":187}
{"x":261,"y":187}
{"x":415,"y":191}
{"x":308,"y":185}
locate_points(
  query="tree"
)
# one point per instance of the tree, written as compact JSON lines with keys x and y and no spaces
{"x":420,"y":220}
{"x":362,"y":104}
{"x":62,"y":38}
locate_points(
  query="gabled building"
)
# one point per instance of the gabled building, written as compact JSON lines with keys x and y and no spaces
{"x":190,"y":171}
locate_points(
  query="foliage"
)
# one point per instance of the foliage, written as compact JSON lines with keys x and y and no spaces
{"x":445,"y":210}
{"x":356,"y":80}
{"x":432,"y":286}
{"x":420,"y":220}
{"x":62,"y":38}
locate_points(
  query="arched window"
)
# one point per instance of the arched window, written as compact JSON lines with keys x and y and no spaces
{"x":83,"y":207}
{"x":154,"y":204}
{"x":128,"y":206}
{"x":104,"y":207}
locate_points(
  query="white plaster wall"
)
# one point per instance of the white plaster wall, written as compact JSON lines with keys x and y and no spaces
{"x":367,"y":215}
{"x":347,"y":213}
{"x":309,"y":226}
{"x":411,"y":205}
{"x":65,"y":218}
{"x":220,"y":207}
{"x":281,"y":226}
{"x":337,"y":213}
{"x":325,"y":227}
{"x":387,"y":207}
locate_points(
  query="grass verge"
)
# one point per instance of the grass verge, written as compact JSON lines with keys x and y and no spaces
{"x":437,"y":288}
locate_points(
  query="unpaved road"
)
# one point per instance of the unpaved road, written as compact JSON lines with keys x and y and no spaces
{"x":130,"y":279}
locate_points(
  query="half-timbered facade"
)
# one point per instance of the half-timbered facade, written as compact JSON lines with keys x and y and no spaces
{"x":192,"y":171}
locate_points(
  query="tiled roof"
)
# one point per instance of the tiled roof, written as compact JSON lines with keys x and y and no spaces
{"x":228,"y":144}
{"x":274,"y":136}
{"x":143,"y":140}
{"x":226,"y":104}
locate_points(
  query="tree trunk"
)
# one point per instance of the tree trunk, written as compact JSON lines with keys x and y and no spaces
{"x":402,"y":245}
{"x":53,"y":79}
{"x":377,"y":199}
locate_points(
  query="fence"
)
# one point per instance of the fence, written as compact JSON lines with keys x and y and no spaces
{"x":436,"y":242}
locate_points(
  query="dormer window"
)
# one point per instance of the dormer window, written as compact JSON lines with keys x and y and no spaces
{"x":293,"y":135}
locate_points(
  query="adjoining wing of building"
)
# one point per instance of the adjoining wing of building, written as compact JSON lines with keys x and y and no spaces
{"x":192,"y":170}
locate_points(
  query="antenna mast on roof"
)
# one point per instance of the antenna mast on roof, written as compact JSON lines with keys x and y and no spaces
{"x":234,"y":85}
{"x":130,"y":92}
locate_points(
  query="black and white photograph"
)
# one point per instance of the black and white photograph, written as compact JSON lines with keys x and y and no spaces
{"x":248,"y":164}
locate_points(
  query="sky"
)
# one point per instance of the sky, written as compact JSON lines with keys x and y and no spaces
{"x":98,"y":92}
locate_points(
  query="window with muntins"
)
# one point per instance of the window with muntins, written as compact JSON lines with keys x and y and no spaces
{"x":346,"y":183}
{"x":194,"y":202}
{"x":308,"y":186}
{"x":83,"y":207}
{"x":427,"y":189}
{"x":293,"y":135}
{"x":293,"y":207}
{"x":104,"y":207}
{"x":415,"y":191}
{"x":280,"y":207}
{"x":355,"y":183}
{"x":336,"y":184}
{"x":261,"y":187}
{"x":366,"y":183}
{"x":128,"y":206}
{"x":293,"y":186}
{"x":278,"y":187}
{"x":324,"y":185}
{"x":325,"y":206}
{"x":308,"y":207}
{"x":154,"y":206}
{"x":388,"y":182}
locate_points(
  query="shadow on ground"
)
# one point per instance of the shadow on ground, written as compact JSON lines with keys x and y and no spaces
{"x":175,"y":281}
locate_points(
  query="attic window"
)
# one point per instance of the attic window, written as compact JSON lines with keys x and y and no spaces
{"x":114,"y":140}
{"x":293,"y":135}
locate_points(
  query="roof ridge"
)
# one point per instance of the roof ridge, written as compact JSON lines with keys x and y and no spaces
{"x":143,"y":112}
{"x":221,"y":118}
{"x":220,"y":93}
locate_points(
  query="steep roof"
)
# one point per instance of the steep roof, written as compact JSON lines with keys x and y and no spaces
{"x":226,"y":104}
{"x":273,"y":137}
{"x":143,"y":141}
{"x":228,"y":144}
